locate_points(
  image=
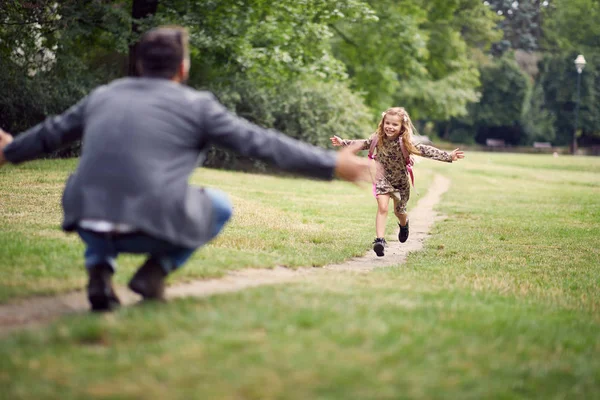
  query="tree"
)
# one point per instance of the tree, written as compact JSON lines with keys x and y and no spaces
{"x":418,"y":54}
{"x":52,"y":53}
{"x":498,"y":115}
{"x":140,"y":9}
{"x":521,"y":24}
{"x":571,"y":28}
{"x":538,"y":121}
{"x":241,"y":50}
{"x":558,"y":78}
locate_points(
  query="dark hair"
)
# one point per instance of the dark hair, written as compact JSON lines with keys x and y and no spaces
{"x":160,"y":51}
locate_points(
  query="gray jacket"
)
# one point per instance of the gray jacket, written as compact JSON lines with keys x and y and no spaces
{"x":141,"y":139}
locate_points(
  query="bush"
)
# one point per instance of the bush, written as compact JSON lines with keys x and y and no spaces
{"x":306,"y":109}
{"x":538,"y":121}
{"x":498,"y":115}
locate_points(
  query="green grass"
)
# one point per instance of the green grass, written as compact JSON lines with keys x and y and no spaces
{"x":529,"y":231}
{"x":277,"y":221}
{"x":502,"y":303}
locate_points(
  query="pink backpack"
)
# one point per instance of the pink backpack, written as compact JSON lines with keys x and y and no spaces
{"x":409,"y":160}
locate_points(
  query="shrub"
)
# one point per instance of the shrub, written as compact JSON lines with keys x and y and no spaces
{"x":306,"y":109}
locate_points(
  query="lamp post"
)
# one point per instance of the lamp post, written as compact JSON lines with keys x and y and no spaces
{"x":579,"y":64}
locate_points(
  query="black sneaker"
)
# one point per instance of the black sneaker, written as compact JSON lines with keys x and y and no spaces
{"x":149,"y":281}
{"x":100,"y":291}
{"x":403,"y":234}
{"x":378,"y":246}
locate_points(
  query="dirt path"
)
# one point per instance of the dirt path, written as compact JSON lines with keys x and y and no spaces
{"x":37,"y":311}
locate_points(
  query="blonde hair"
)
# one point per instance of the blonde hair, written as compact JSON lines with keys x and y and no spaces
{"x":407,"y":130}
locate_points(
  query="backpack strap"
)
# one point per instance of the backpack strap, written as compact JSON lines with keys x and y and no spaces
{"x":374,"y":139}
{"x":409,"y":162}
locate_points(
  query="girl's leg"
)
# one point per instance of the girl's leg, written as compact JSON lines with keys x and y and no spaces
{"x":402,"y":217}
{"x":400,"y":212}
{"x":400,"y":206}
{"x":382,"y":210}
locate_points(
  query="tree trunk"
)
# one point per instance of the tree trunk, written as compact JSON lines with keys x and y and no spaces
{"x":140,"y":9}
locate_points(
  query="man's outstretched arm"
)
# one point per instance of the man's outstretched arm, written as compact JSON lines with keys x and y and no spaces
{"x":44,"y":138}
{"x":224,"y":128}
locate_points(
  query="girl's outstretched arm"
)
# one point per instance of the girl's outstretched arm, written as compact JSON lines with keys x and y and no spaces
{"x":338,"y":141}
{"x":457,"y":154}
{"x":440,"y":155}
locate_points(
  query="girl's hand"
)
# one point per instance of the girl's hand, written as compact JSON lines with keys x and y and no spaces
{"x":457,"y":154}
{"x":336,"y":141}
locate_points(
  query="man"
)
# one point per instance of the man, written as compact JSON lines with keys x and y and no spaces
{"x":141,"y":139}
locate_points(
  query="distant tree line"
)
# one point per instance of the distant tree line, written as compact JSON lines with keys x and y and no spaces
{"x":529,"y":79}
{"x":466,"y":70}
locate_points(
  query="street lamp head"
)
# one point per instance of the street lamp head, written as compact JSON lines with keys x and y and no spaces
{"x":580,"y":63}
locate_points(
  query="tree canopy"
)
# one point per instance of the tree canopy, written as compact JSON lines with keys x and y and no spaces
{"x":315,"y":67}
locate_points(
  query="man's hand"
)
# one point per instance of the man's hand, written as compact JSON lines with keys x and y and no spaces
{"x":456,"y":154}
{"x":5,"y":140}
{"x":352,"y":168}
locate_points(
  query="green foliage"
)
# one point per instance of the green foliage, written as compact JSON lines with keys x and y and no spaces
{"x":267,"y":41}
{"x":558,"y":77}
{"x":270,"y":63}
{"x":521,"y":24}
{"x":287,"y":64}
{"x":256,"y":55}
{"x":572,"y":25}
{"x":571,"y":28}
{"x":418,"y":54}
{"x":505,"y":89}
{"x":52,"y":54}
{"x":548,"y":110}
{"x":313,"y":111}
{"x":538,"y":121}
{"x":309,"y":109}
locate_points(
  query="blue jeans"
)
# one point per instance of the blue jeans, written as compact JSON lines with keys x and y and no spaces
{"x":105,"y":248}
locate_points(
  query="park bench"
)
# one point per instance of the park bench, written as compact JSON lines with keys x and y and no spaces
{"x":495,"y":143}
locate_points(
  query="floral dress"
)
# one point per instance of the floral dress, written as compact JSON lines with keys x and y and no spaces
{"x":393,"y":179}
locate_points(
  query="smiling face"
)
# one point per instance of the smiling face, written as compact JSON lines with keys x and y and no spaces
{"x":391,"y":126}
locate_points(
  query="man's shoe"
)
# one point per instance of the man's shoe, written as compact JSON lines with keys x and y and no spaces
{"x":100,"y":291}
{"x":378,"y":246}
{"x":149,"y":281}
{"x":403,"y":234}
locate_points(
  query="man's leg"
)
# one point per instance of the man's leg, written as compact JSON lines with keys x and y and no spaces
{"x":100,"y":255}
{"x":222,"y":209}
{"x":165,"y":258}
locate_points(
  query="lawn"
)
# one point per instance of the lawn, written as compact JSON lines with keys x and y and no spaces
{"x":288,"y":221}
{"x":503,"y":302}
